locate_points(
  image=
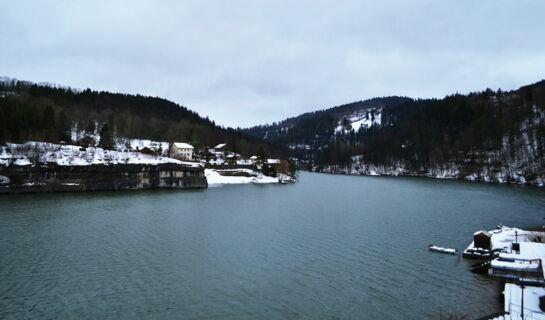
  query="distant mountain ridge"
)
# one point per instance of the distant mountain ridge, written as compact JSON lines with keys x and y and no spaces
{"x":489,"y":136}
{"x":316,"y":127}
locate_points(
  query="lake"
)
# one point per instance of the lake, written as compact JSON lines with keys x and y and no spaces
{"x":327,"y":247}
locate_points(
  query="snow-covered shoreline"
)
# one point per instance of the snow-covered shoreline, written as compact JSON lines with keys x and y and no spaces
{"x":240,"y":176}
{"x":491,"y":174}
{"x":43,"y":154}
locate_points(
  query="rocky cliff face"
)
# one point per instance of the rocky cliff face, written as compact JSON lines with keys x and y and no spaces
{"x":50,"y":178}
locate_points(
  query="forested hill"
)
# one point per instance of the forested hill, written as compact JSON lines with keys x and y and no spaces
{"x":488,"y":135}
{"x":44,"y":112}
{"x":317,"y":128}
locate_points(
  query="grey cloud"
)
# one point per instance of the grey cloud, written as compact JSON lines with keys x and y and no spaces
{"x":252,"y":62}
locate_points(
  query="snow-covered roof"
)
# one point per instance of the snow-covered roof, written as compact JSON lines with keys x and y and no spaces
{"x":532,"y":250}
{"x":513,"y":300}
{"x":253,"y":157}
{"x":221,"y":145}
{"x":517,"y":265}
{"x":233,"y":155}
{"x":183,"y":145}
{"x":273,"y":161}
{"x":483,"y":232}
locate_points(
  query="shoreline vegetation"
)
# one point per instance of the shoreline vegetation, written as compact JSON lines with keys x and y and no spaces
{"x":439,"y":175}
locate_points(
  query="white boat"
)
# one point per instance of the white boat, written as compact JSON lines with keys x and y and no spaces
{"x":443,"y":250}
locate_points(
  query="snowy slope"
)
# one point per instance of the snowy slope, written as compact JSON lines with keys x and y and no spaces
{"x":32,"y":153}
{"x":363,"y":119}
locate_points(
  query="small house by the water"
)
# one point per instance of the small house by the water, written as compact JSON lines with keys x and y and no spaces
{"x":182,"y":151}
{"x":481,"y":239}
{"x":482,"y":246}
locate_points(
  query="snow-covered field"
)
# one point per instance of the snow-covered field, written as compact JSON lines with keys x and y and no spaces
{"x":214,"y":177}
{"x":31,"y":153}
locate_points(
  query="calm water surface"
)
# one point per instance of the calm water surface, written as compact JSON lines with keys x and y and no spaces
{"x":326,"y":247}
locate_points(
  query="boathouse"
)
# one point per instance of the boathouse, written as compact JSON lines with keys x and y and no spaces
{"x":481,"y":239}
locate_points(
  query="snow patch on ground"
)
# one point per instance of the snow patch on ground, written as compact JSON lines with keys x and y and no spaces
{"x":215,"y":178}
{"x":22,"y":162}
{"x":125,"y":144}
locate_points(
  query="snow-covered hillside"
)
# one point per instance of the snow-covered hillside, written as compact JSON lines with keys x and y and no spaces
{"x":36,"y":153}
{"x":517,"y":162}
{"x":362,"y":119}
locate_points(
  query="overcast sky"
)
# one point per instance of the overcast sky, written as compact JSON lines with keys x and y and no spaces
{"x":253,"y":62}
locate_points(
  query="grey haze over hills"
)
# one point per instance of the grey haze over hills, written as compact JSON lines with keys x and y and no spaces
{"x":244,"y":63}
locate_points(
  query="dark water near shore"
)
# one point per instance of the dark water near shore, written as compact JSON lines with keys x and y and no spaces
{"x":327,"y":247}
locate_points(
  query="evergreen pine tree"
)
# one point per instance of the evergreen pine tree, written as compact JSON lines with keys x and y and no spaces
{"x":261,"y":154}
{"x":106,"y":138}
{"x":48,"y":118}
{"x":63,"y":128}
{"x":90,"y":128}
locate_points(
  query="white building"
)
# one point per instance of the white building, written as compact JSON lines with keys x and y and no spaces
{"x":181,"y":150}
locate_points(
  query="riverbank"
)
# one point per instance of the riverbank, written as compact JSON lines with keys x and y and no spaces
{"x":47,"y":167}
{"x":490,"y":174}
